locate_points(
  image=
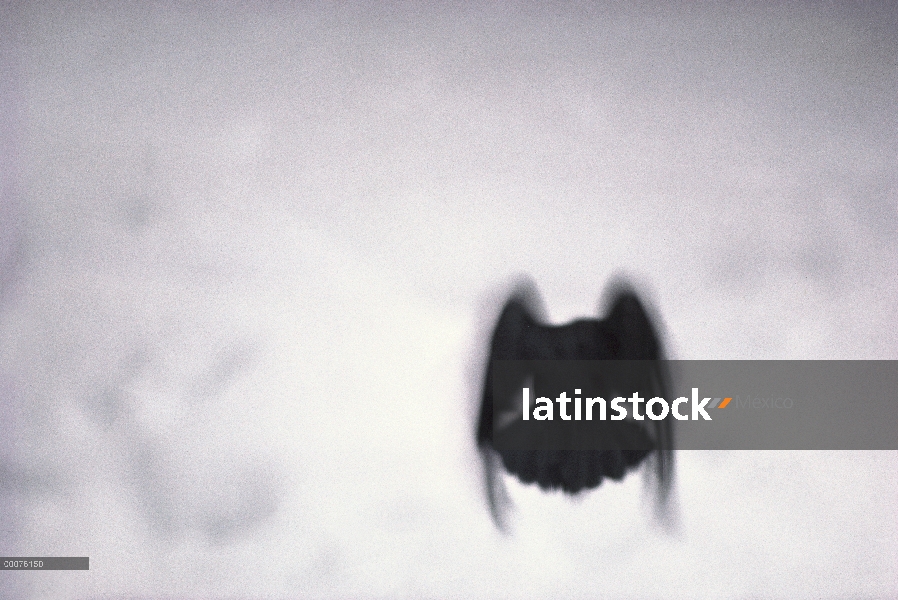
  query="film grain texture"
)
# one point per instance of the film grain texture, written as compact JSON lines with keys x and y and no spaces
{"x":250,"y":256}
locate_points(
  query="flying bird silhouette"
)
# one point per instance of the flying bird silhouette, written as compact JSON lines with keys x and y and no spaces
{"x":613,"y":447}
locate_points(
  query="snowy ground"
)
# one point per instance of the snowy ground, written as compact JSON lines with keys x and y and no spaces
{"x":248,"y":257}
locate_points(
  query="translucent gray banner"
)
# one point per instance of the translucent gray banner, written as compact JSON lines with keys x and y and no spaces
{"x":712,"y":405}
{"x":45,"y":563}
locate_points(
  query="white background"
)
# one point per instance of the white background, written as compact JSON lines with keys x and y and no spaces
{"x":249,"y":257}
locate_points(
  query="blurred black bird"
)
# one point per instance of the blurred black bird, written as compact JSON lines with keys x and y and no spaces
{"x":615,"y":447}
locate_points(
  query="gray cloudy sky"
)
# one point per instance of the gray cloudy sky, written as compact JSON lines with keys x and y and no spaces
{"x":248,"y":256}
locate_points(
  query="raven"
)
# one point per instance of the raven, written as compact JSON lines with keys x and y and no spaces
{"x":625,"y":334}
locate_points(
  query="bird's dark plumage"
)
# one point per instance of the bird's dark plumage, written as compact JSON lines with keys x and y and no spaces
{"x":626,"y":333}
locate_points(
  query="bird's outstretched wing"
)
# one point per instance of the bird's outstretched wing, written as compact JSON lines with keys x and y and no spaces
{"x":625,"y":334}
